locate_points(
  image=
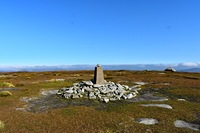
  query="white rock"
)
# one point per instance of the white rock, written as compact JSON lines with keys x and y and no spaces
{"x":93,"y":97}
{"x":113,"y":88}
{"x":106,"y":100}
{"x":183,"y":124}
{"x":124,"y":97}
{"x":69,"y":91}
{"x":80,"y":95}
{"x":109,"y":94}
{"x":119,"y":87}
{"x":181,"y":100}
{"x":147,"y":121}
{"x":74,"y":96}
{"x":112,"y":99}
{"x":67,"y":96}
{"x":87,"y":89}
{"x":91,"y":94}
{"x":99,"y":96}
{"x":141,"y":83}
{"x":157,"y":105}
{"x":89,"y":83}
{"x":21,"y":109}
{"x":126,"y":87}
{"x":129,"y":96}
{"x":97,"y":85}
{"x":135,"y":86}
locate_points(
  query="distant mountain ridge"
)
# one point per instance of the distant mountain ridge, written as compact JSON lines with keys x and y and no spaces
{"x":192,"y":70}
{"x":159,"y":67}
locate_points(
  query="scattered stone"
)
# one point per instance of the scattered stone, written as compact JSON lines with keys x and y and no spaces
{"x":157,"y":105}
{"x":21,"y":109}
{"x":148,"y":97}
{"x":106,"y":100}
{"x":129,"y":96}
{"x":183,"y":124}
{"x":147,"y":121}
{"x":69,"y":91}
{"x":170,"y":69}
{"x":52,"y":80}
{"x":74,"y":96}
{"x":28,"y":99}
{"x":181,"y":100}
{"x":49,"y":92}
{"x":161,"y":73}
{"x":141,"y":83}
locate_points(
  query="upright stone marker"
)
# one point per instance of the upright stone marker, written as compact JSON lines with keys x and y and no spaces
{"x":98,"y":75}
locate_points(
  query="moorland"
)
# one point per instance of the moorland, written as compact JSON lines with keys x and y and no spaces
{"x":82,"y":115}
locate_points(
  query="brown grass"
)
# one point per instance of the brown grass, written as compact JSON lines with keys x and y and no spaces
{"x":114,"y":118}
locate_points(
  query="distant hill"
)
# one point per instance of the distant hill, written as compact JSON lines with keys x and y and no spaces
{"x":192,"y":70}
{"x":158,"y":67}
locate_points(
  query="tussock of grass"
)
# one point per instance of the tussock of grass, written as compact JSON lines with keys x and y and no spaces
{"x":2,"y":125}
{"x":5,"y":93}
{"x":6,"y":84}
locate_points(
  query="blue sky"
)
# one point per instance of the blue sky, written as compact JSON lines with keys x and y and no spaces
{"x":57,"y":32}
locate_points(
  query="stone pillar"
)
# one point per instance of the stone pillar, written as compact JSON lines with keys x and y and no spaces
{"x":98,"y":75}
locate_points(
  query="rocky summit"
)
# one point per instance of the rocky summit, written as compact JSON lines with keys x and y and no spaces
{"x":109,"y":91}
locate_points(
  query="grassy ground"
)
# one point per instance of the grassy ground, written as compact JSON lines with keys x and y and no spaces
{"x":115,"y":117}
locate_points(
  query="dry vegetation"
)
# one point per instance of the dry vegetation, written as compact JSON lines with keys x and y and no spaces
{"x":114,"y":118}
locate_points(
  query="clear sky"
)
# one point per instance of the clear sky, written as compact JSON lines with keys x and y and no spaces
{"x":57,"y":32}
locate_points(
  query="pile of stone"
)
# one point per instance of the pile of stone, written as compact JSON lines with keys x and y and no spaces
{"x":98,"y":89}
{"x":109,"y":91}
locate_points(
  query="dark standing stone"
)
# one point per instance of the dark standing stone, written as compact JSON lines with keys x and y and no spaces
{"x":98,"y":75}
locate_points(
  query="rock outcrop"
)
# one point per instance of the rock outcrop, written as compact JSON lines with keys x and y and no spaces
{"x":170,"y":69}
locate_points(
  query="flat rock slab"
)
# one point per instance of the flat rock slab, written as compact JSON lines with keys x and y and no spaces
{"x":141,"y":83}
{"x":182,"y":100}
{"x":183,"y":124}
{"x":147,"y":121}
{"x":148,"y":97}
{"x":8,"y":89}
{"x":157,"y":105}
{"x":50,"y":92}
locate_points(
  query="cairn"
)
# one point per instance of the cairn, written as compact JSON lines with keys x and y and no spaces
{"x":99,"y":89}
